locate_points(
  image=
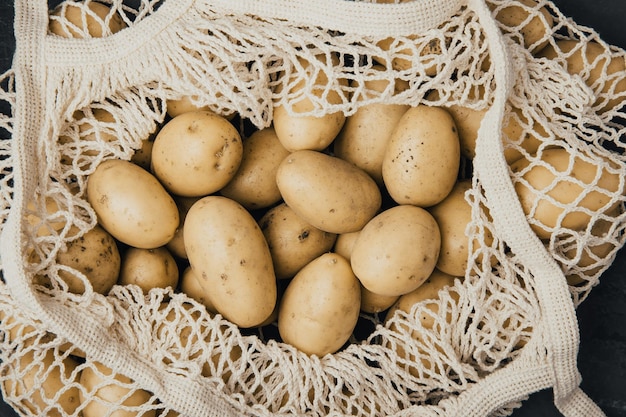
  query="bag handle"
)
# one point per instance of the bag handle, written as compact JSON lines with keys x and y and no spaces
{"x":561,"y":328}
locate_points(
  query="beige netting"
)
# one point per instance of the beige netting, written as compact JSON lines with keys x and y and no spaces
{"x":502,"y":331}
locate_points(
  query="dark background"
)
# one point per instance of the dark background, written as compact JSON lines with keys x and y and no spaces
{"x":602,"y":317}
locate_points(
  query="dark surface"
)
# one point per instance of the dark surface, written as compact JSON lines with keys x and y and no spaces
{"x":602,"y":317}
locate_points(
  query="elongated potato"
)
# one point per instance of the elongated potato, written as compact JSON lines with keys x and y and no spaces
{"x":132,"y":205}
{"x":229,"y":254}
{"x":320,"y":307}
{"x":329,"y":193}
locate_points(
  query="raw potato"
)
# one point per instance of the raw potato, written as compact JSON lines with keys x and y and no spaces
{"x":297,"y":131}
{"x":228,"y":252}
{"x":365,"y":134}
{"x":293,"y":242}
{"x":397,"y":250}
{"x":92,"y":130}
{"x":375,"y":303}
{"x":110,"y":389}
{"x":149,"y":268}
{"x":196,"y":153}
{"x":329,"y":193}
{"x":48,"y":377}
{"x":96,"y":255}
{"x":422,"y":159}
{"x":605,"y":75}
{"x":96,"y":21}
{"x":143,"y":155}
{"x":132,"y":205}
{"x":345,"y":243}
{"x":534,"y":25}
{"x":254,"y":184}
{"x":404,"y":50}
{"x":531,"y":186}
{"x":177,"y":244}
{"x":43,"y":218}
{"x":182,"y":105}
{"x":190,"y":285}
{"x":320,"y":307}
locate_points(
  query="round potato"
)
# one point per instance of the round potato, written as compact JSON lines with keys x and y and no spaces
{"x":410,"y":52}
{"x":364,"y":136}
{"x":94,"y":21}
{"x":176,"y":245}
{"x":47,"y":376}
{"x":109,"y":389}
{"x":331,"y":194}
{"x":345,"y":243}
{"x":422,"y":159}
{"x":601,"y":71}
{"x":532,"y":23}
{"x":375,"y":303}
{"x":182,"y":105}
{"x":559,"y":191}
{"x":397,"y":250}
{"x":131,"y":204}
{"x":149,"y":268}
{"x":96,"y":255}
{"x":190,"y":285}
{"x":320,"y":307}
{"x":254,"y":184}
{"x":230,"y":256}
{"x":296,"y":131}
{"x":293,"y":242}
{"x":92,"y":129}
{"x":196,"y":154}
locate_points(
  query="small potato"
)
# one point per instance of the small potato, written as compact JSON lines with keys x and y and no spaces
{"x":132,"y":205}
{"x":345,"y":243}
{"x":176,"y":245}
{"x":45,"y":217}
{"x":558,"y":178}
{"x":182,"y":105}
{"x":601,"y":71}
{"x":298,"y":132}
{"x":96,"y":255}
{"x":375,"y":303}
{"x":143,"y":155}
{"x":320,"y":307}
{"x":254,"y":184}
{"x":230,"y":256}
{"x":331,"y":194}
{"x":48,"y":376}
{"x":94,"y":128}
{"x":149,"y":268}
{"x":397,"y":250}
{"x":190,"y":285}
{"x":94,"y":21}
{"x":534,"y":24}
{"x":196,"y":154}
{"x":364,"y":136}
{"x":109,"y":389}
{"x":293,"y":242}
{"x":422,"y":159}
{"x":405,"y":50}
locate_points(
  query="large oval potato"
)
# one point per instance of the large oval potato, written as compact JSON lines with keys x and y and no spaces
{"x":196,"y":153}
{"x":422,"y":159}
{"x":329,"y":193}
{"x":229,"y":255}
{"x":320,"y":307}
{"x":254,"y":184}
{"x":397,"y":250}
{"x":549,"y":191}
{"x":293,"y":242}
{"x":131,"y":204}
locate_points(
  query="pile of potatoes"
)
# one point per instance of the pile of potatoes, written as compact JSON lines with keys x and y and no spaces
{"x":313,"y":220}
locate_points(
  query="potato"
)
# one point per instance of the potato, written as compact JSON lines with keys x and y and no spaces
{"x":176,"y":245}
{"x":196,"y":154}
{"x":228,"y":252}
{"x":601,"y":71}
{"x":92,"y":129}
{"x":345,"y":243}
{"x":109,"y":389}
{"x":254,"y":184}
{"x":190,"y":285}
{"x":453,"y":214}
{"x":404,"y":50}
{"x":561,"y":178}
{"x":375,"y":303}
{"x":422,"y":159}
{"x":47,"y":376}
{"x":149,"y":268}
{"x":96,"y":20}
{"x":331,"y":194}
{"x":292,"y":241}
{"x":96,"y":255}
{"x":397,"y":250}
{"x":320,"y":307}
{"x":131,"y":204}
{"x":45,"y":217}
{"x":182,"y":105}
{"x":143,"y":155}
{"x":534,"y":24}
{"x":364,"y":136}
{"x":297,"y":132}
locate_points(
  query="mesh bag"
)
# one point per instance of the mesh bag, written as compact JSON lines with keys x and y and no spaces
{"x":549,"y":94}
